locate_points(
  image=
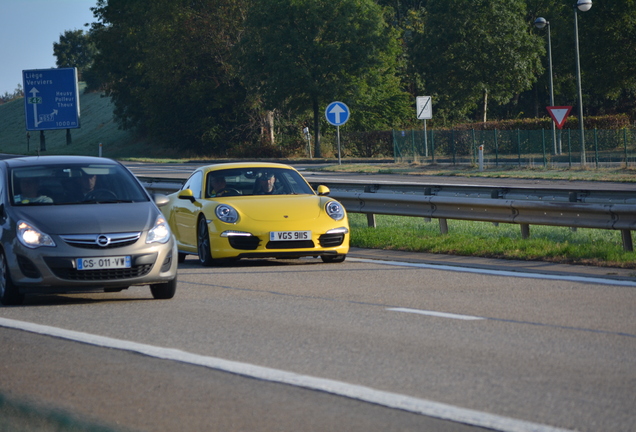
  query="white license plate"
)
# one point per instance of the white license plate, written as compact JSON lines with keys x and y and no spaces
{"x":103,"y":263}
{"x":289,"y":235}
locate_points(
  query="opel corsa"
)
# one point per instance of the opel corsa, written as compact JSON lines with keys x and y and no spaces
{"x":80,"y":224}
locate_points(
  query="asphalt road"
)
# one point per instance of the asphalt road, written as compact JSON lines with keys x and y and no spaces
{"x":387,"y":329}
{"x":385,"y":341}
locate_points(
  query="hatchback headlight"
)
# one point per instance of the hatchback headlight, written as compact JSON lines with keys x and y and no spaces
{"x":226,"y":213}
{"x":160,"y":233}
{"x":335,"y":210}
{"x":32,"y":237}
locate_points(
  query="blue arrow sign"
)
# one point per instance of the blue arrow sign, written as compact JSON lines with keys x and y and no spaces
{"x":51,"y":99}
{"x":337,"y":113}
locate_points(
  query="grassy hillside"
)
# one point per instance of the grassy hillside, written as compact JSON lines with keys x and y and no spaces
{"x":97,"y":126}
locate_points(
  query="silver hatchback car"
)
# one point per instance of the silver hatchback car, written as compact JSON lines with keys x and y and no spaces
{"x":80,"y":224}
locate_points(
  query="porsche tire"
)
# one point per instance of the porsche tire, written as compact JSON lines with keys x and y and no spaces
{"x":203,"y":243}
{"x":333,"y":258}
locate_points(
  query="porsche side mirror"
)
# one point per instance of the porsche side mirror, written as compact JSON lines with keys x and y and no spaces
{"x":323,"y":190}
{"x":187,"y":194}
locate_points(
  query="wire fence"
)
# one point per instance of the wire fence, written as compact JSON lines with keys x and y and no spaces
{"x":602,"y":148}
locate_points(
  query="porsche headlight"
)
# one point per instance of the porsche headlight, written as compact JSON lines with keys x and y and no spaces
{"x":335,"y":210}
{"x":226,"y":214}
{"x":160,"y":233}
{"x":32,"y":237}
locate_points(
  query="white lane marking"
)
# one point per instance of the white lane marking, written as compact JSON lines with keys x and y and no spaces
{"x":436,"y":314}
{"x":585,"y":279}
{"x":358,"y":392}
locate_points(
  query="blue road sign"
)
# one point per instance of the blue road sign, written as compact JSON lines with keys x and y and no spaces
{"x":51,"y":99}
{"x":337,"y":113}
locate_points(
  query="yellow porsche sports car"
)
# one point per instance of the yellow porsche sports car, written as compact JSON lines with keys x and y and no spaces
{"x":255,"y":210}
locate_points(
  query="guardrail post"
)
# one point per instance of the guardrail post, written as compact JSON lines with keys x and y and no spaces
{"x":443,"y":226}
{"x":525,"y":231}
{"x":628,"y":246}
{"x":370,"y":216}
{"x":371,"y":220}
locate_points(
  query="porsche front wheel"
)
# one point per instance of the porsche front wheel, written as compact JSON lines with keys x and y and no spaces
{"x":333,"y":258}
{"x":203,"y":243}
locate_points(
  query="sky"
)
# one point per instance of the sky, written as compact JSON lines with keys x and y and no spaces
{"x":28,"y":29}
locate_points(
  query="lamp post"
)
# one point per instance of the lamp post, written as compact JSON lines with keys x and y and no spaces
{"x":541,"y":23}
{"x":583,"y":6}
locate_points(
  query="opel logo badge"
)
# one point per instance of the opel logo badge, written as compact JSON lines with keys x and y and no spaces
{"x":103,"y":240}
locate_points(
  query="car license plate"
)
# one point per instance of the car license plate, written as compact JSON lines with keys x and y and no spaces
{"x":289,"y":235}
{"x":103,"y":263}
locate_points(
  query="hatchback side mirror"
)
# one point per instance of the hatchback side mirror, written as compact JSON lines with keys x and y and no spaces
{"x":160,"y":199}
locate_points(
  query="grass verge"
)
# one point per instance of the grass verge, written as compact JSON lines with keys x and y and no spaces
{"x":551,"y":244}
{"x":626,"y":174}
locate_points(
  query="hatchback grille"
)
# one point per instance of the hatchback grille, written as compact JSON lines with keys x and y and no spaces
{"x":102,"y":275}
{"x":28,"y":268}
{"x":101,"y":241}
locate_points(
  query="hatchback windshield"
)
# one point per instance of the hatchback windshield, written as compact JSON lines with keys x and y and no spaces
{"x":74,"y":184}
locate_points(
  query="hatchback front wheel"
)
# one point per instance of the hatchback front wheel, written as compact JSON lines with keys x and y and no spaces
{"x":9,"y":293}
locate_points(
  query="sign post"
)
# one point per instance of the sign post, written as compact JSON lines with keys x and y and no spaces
{"x":559,"y":115}
{"x":424,"y":111}
{"x":337,"y":114}
{"x":51,"y":100}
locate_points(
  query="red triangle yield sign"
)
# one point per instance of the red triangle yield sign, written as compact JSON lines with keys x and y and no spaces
{"x":559,"y":114}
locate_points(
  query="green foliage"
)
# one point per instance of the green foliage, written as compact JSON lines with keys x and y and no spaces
{"x":302,"y":54}
{"x":167,"y":65}
{"x":218,"y":76}
{"x":8,"y":97}
{"x":97,"y":126}
{"x":75,"y":49}
{"x":617,"y":121}
{"x":554,"y":244}
{"x":467,"y":49}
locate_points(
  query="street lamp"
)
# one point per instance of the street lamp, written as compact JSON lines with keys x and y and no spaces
{"x":541,"y":23}
{"x":583,"y":6}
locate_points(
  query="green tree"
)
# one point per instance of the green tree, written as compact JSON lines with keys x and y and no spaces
{"x":608,"y":55}
{"x":607,"y":39}
{"x":166,"y":65}
{"x":307,"y":53}
{"x":75,"y":49}
{"x":473,"y":51}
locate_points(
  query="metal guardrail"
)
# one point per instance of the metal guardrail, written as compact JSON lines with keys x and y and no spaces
{"x":600,"y":209}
